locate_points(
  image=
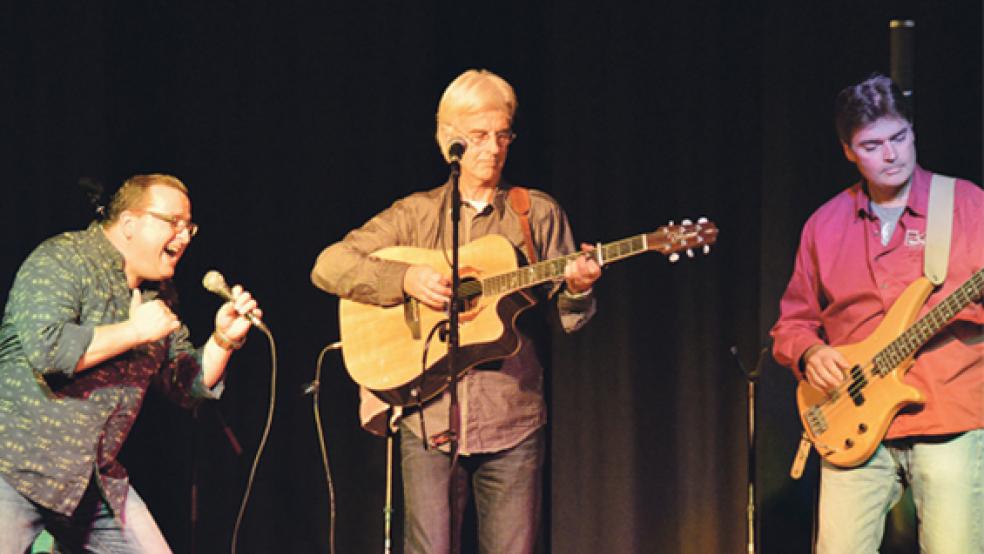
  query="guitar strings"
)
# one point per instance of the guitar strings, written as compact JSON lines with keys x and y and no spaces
{"x":925,"y":326}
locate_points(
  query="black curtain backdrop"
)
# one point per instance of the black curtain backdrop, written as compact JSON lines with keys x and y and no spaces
{"x":293,"y":122}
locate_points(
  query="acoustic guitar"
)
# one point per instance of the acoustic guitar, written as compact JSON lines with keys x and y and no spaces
{"x":847,"y":425}
{"x":400,"y":352}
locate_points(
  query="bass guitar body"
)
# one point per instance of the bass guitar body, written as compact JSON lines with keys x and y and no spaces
{"x":847,"y":425}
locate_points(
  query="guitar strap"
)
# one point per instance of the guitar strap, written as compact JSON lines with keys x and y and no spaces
{"x":939,"y":228}
{"x":519,"y":199}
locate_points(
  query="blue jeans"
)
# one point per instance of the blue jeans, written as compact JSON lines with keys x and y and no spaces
{"x":92,"y":528}
{"x":947,"y":479}
{"x":506,"y":487}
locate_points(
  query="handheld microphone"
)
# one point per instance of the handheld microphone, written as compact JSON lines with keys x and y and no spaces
{"x":456,"y":149}
{"x":215,"y":282}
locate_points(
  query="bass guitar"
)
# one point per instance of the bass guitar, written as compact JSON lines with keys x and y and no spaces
{"x":846,"y":425}
{"x":399,"y":352}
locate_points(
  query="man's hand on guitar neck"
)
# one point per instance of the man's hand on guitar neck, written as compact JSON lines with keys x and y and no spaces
{"x":824,"y":367}
{"x":427,"y":285}
{"x":582,"y":272}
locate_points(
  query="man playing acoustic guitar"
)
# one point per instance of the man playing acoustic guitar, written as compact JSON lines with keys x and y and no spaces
{"x":502,"y":410}
{"x":858,"y":253}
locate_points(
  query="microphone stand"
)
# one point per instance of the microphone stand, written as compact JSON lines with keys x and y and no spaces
{"x":195,"y":462}
{"x":454,"y":413}
{"x":751,"y":378}
{"x":193,"y":509}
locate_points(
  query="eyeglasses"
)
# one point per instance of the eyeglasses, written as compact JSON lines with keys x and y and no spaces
{"x":179,"y":225}
{"x":481,"y":138}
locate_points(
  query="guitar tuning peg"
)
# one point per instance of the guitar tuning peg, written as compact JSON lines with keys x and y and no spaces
{"x":690,"y":253}
{"x":701,"y":220}
{"x":686,"y":222}
{"x":674,"y":257}
{"x":707,"y":249}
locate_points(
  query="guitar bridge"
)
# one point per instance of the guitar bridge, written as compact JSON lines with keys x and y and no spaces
{"x":411,"y":314}
{"x":816,"y":421}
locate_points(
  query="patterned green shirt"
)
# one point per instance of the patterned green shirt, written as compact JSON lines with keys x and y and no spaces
{"x":58,"y":427}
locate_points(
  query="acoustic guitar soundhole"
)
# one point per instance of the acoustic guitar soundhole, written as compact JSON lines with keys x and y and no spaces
{"x":469,"y":301}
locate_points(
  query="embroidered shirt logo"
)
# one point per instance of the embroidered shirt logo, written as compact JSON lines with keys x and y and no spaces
{"x":914,"y":238}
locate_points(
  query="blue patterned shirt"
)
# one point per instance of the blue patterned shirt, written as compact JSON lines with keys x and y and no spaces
{"x":58,"y":428}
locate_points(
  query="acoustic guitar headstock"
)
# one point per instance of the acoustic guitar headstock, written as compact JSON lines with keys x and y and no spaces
{"x":671,"y":239}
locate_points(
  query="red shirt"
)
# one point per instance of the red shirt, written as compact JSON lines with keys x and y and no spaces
{"x":844,"y":281}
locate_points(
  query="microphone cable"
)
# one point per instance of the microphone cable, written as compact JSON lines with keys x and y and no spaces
{"x":263,"y":438}
{"x":314,"y":389}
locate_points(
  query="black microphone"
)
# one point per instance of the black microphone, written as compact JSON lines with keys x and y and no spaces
{"x":456,"y":149}
{"x":215,"y":282}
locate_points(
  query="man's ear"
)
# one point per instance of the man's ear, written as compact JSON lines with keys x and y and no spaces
{"x":848,"y":153}
{"x":128,"y":223}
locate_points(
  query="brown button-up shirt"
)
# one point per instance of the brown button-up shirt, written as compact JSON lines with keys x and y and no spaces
{"x":499,"y":406}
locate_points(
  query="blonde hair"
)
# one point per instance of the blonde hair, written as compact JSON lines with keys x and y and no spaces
{"x":475,"y":90}
{"x":133,"y":193}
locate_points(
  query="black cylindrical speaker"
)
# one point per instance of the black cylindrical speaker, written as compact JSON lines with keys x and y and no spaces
{"x":902,"y":63}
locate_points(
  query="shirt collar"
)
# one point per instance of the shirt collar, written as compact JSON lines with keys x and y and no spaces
{"x":497,"y":201}
{"x":917,"y":202}
{"x":102,"y":245}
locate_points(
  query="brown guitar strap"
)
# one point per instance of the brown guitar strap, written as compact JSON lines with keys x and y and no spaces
{"x":519,"y":199}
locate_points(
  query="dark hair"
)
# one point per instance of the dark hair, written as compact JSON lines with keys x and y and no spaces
{"x":866,"y":102}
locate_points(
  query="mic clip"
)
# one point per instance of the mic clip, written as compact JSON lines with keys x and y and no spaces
{"x":310,"y":388}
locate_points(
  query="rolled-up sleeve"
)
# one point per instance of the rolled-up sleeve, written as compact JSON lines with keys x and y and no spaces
{"x":182,"y":379}
{"x":44,"y":310}
{"x":553,"y":234}
{"x":575,"y":312}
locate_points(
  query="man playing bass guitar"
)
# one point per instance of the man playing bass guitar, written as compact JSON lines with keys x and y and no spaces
{"x":858,"y":253}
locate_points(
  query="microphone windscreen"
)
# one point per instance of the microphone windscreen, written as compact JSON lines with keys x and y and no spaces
{"x":456,"y":148}
{"x":215,"y":282}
